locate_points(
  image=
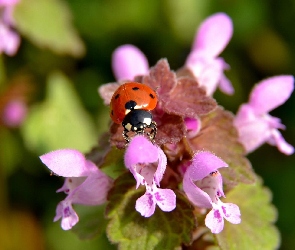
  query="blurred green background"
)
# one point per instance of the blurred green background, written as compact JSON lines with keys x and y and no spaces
{"x":65,"y":54}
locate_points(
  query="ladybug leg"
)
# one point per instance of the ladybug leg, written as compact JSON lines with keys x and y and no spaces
{"x":153,"y":132}
{"x":125,"y":136}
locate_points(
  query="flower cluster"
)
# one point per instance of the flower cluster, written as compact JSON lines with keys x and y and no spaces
{"x":195,"y":137}
{"x":84,"y":184}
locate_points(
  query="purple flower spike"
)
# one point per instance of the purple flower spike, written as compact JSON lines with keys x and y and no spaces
{"x":202,"y":184}
{"x":254,"y":124}
{"x":85,"y":183}
{"x":211,"y":39}
{"x":147,"y":163}
{"x":128,"y":61}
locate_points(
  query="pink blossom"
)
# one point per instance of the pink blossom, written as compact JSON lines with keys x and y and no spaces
{"x":202,"y":184}
{"x":211,"y":39}
{"x":128,"y":62}
{"x":193,"y":126}
{"x":254,"y":124}
{"x":14,"y":113}
{"x":9,"y":40}
{"x":85,"y":183}
{"x":147,"y":163}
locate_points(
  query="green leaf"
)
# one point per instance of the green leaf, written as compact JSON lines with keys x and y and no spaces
{"x":256,"y":230}
{"x":132,"y":231}
{"x":92,"y":222}
{"x":47,"y":23}
{"x":218,"y":135}
{"x":60,"y":121}
{"x":11,"y":154}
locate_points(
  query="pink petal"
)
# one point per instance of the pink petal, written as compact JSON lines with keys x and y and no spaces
{"x":128,"y":61}
{"x":146,"y":205}
{"x":231,"y":213}
{"x":141,"y":151}
{"x":14,"y":113}
{"x":9,"y":40}
{"x":162,"y":163}
{"x":252,"y":135}
{"x":280,"y":142}
{"x":214,"y":221}
{"x":214,"y":34}
{"x":210,"y":76}
{"x":225,"y":85}
{"x":244,"y":116}
{"x":204,"y":163}
{"x":271,"y":93}
{"x":193,"y":126}
{"x":93,"y":191}
{"x":68,"y":163}
{"x":69,"y":217}
{"x":197,"y":196}
{"x":166,"y":199}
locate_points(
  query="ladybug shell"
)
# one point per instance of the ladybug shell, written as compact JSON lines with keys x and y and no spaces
{"x":143,"y":95}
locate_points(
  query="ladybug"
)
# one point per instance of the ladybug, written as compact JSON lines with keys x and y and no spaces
{"x":130,"y":106}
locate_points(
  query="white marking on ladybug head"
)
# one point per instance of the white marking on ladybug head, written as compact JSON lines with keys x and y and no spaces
{"x":147,"y":121}
{"x":127,"y":111}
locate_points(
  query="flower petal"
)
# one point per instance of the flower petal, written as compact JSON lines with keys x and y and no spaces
{"x":93,"y":191}
{"x":252,"y":135}
{"x":166,"y":199}
{"x":271,"y":93}
{"x":146,"y":205}
{"x":225,"y":85}
{"x":214,"y":221}
{"x":278,"y":140}
{"x":67,"y":163}
{"x":231,"y":212}
{"x":204,"y":163}
{"x":141,"y":151}
{"x":214,"y":34}
{"x":14,"y":113}
{"x":128,"y":61}
{"x":162,"y":163}
{"x":193,"y":126}
{"x":69,"y":217}
{"x":197,"y":196}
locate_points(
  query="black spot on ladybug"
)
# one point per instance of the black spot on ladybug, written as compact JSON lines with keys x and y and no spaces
{"x":135,"y":88}
{"x":117,"y":96}
{"x":152,"y":96}
{"x":130,"y":105}
{"x":112,"y":112}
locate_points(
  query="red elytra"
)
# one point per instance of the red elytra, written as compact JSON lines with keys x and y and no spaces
{"x":143,"y":95}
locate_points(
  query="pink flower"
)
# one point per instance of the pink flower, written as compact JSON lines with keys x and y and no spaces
{"x":128,"y":62}
{"x":14,"y":113}
{"x":202,"y":184}
{"x":147,"y":163}
{"x":85,"y":183}
{"x":193,"y":126}
{"x":254,"y":124}
{"x":211,"y":39}
{"x":9,"y":40}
